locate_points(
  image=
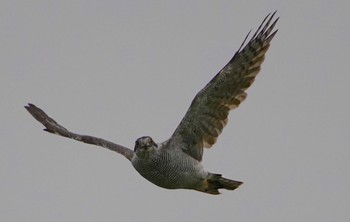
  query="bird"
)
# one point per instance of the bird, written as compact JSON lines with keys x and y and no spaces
{"x":176,"y":162}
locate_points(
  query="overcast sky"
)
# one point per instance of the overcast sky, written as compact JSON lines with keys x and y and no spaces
{"x":125,"y":69}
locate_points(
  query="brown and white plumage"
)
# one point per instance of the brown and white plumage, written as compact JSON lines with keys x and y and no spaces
{"x":175,"y":163}
{"x":207,"y":115}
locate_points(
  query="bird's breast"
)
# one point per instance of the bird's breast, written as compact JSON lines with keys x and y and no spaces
{"x":170,"y":169}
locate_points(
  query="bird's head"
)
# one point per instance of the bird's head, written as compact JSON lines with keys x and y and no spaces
{"x":144,"y":146}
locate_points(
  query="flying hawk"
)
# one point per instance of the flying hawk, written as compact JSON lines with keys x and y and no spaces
{"x":176,"y":163}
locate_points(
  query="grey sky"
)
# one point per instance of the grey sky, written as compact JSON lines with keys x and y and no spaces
{"x":125,"y":69}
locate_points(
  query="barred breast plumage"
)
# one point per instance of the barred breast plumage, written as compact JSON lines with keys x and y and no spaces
{"x":167,"y":168}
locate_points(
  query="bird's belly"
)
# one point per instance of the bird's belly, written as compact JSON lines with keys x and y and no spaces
{"x":172,"y":172}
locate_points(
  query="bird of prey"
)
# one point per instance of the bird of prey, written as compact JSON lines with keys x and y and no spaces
{"x":176,"y":163}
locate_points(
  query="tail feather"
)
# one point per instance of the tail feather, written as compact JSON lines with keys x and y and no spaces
{"x":216,"y":181}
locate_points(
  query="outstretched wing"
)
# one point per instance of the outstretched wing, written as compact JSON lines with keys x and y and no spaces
{"x":53,"y":127}
{"x":208,"y":112}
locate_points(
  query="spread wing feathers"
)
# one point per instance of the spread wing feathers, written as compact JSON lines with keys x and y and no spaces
{"x":208,"y":112}
{"x":53,"y":127}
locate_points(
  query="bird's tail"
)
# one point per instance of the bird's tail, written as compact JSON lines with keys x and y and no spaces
{"x":215,"y":182}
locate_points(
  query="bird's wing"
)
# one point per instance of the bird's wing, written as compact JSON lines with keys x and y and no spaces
{"x":207,"y":115}
{"x":53,"y":127}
